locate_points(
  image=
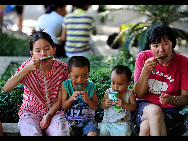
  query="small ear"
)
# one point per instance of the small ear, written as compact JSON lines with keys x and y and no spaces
{"x":54,"y":50}
{"x":128,"y":83}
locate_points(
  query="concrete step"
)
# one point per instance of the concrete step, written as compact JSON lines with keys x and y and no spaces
{"x":10,"y":129}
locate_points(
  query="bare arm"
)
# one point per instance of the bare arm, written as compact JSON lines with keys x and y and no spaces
{"x":93,"y":104}
{"x":132,"y":105}
{"x":66,"y":101}
{"x":63,"y":34}
{"x":141,"y":86}
{"x":181,"y":100}
{"x":55,"y":107}
{"x":34,"y":64}
{"x":105,"y":103}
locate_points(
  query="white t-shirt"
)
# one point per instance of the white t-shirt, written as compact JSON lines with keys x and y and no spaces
{"x":52,"y":24}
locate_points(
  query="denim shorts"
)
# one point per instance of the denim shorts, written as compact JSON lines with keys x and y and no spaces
{"x":83,"y":127}
{"x":173,"y":120}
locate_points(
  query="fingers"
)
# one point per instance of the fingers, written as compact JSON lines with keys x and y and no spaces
{"x":118,"y":101}
{"x":75,"y":94}
{"x":150,"y":64}
{"x":36,"y":64}
{"x":108,"y":102}
{"x":43,"y":125}
{"x":84,"y":95}
{"x":164,"y":98}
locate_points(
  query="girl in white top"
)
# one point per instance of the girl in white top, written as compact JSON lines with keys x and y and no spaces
{"x":115,"y":122}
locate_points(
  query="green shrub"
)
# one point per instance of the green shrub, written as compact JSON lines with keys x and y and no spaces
{"x":13,"y":45}
{"x":10,"y":102}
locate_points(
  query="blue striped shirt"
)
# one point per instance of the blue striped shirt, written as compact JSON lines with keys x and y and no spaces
{"x":78,"y":25}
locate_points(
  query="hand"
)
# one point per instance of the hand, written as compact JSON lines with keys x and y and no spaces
{"x":108,"y":102}
{"x":85,"y":96}
{"x":74,"y":95}
{"x":119,"y":102}
{"x":150,"y":64}
{"x":34,"y":64}
{"x":164,"y":98}
{"x":45,"y":122}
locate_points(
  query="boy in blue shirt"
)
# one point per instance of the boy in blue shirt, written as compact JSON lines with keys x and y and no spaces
{"x":80,"y":105}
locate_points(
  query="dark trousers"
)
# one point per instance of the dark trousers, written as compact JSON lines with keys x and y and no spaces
{"x":60,"y":50}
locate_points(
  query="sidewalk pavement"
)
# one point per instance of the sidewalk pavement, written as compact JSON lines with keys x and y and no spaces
{"x":6,"y":60}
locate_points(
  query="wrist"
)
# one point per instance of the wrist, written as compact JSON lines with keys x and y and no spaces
{"x":48,"y":115}
{"x":176,"y":100}
{"x":26,"y":69}
{"x":145,"y":70}
{"x":173,"y":100}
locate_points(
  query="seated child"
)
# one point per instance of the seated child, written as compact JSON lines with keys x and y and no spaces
{"x":1,"y":129}
{"x":80,"y":103}
{"x":117,"y":114}
{"x":41,"y":108}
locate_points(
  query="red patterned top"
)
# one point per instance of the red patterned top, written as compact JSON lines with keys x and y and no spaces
{"x":41,"y":92}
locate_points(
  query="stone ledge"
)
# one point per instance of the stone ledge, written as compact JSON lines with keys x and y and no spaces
{"x":10,"y":129}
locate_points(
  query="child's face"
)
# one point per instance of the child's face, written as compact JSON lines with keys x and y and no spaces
{"x":42,"y":48}
{"x":119,"y":82}
{"x":79,"y":75}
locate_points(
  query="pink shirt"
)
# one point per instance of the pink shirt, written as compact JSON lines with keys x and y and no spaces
{"x":41,"y":92}
{"x":164,"y":79}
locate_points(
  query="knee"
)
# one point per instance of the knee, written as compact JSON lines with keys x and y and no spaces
{"x":155,"y":112}
{"x":30,"y":130}
{"x":144,"y":128}
{"x":92,"y":134}
{"x":58,"y":127}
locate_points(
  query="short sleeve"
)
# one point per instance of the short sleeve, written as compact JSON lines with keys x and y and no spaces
{"x":90,"y":89}
{"x":140,"y":61}
{"x":21,"y":67}
{"x":139,"y":64}
{"x":68,"y":86}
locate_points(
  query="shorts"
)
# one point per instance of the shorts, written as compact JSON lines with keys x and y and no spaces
{"x":115,"y":129}
{"x":173,"y":120}
{"x":29,"y":125}
{"x":83,"y":127}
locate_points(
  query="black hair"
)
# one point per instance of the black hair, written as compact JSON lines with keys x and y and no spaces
{"x":120,"y":69}
{"x":159,"y":31}
{"x":55,"y":7}
{"x":37,"y":35}
{"x":80,"y":6}
{"x":78,"y":61}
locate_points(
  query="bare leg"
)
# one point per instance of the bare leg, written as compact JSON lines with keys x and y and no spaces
{"x":92,"y":134}
{"x":155,"y":117}
{"x":144,"y":128}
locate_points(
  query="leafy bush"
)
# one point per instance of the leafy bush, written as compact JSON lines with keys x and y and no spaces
{"x":10,"y":102}
{"x":13,"y":45}
{"x":99,"y":74}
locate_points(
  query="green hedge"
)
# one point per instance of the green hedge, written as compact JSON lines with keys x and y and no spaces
{"x":99,"y":74}
{"x":14,"y":45}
